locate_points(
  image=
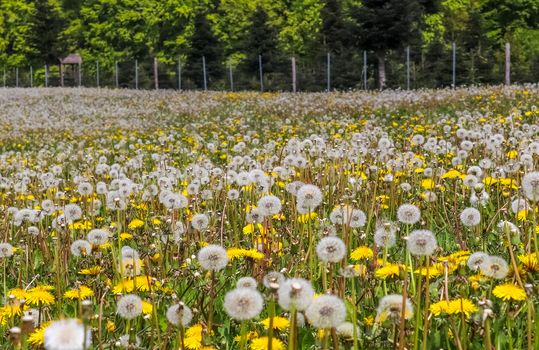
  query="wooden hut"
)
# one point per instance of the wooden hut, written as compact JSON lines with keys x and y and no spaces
{"x":75,"y":62}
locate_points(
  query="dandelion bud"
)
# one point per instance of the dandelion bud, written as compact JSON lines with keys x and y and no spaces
{"x":27,"y":324}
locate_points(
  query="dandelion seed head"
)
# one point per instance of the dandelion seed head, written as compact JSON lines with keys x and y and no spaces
{"x":68,"y":334}
{"x":331,"y":249}
{"x":470,"y":217}
{"x":408,"y":214}
{"x":179,"y":315}
{"x":390,"y":308}
{"x":81,"y":247}
{"x":295,"y":292}
{"x":326,"y":311}
{"x":243,"y":303}
{"x":475,"y":260}
{"x":129,"y":306}
{"x":421,"y":242}
{"x":494,"y":267}
{"x":212,"y":257}
{"x":246,"y":282}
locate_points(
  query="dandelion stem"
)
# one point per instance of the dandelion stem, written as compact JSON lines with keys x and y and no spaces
{"x":292,"y":329}
{"x":271,"y":312}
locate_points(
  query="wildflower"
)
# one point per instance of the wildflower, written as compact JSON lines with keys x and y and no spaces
{"x":388,"y":270}
{"x":279,"y":323}
{"x":361,"y":253}
{"x":91,"y":271}
{"x":390,"y":307}
{"x":270,"y":205}
{"x":234,"y":253}
{"x":530,"y":185}
{"x":494,"y":267}
{"x":213,"y":257}
{"x":346,"y":330}
{"x":476,"y":260}
{"x":81,"y":248}
{"x":331,"y":249}
{"x":262,"y":344}
{"x":530,"y":262}
{"x":36,"y":338}
{"x":98,"y":237}
{"x":39,"y":296}
{"x":421,"y":242}
{"x":470,"y":217}
{"x":179,"y":314}
{"x":326,"y":311}
{"x":129,"y":306}
{"x":200,"y":222}
{"x":6,"y":250}
{"x":243,"y":303}
{"x":246,"y":282}
{"x":358,"y":218}
{"x":295,"y":292}
{"x":135,"y":223}
{"x":461,"y":305}
{"x":408,"y":214}
{"x":193,"y":337}
{"x":273,"y":279}
{"x":385,"y":235}
{"x":508,"y":292}
{"x":69,"y":334}
{"x":80,"y":293}
{"x":309,"y":196}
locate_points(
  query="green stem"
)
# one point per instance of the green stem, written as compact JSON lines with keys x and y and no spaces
{"x":292,"y":329}
{"x":271,"y":312}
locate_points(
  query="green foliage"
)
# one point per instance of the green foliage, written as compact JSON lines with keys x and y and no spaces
{"x":42,"y":31}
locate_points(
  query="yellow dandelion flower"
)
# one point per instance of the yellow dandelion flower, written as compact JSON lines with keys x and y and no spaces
{"x":234,"y":253}
{"x":434,"y":270}
{"x":389,"y":270}
{"x":279,"y":323}
{"x":368,"y":321}
{"x":307,"y":217}
{"x":147,"y":307}
{"x":440,"y":307}
{"x":91,"y":271}
{"x":529,"y":262}
{"x":111,"y":327}
{"x":362,"y":252}
{"x":135,"y":223}
{"x":250,"y":335}
{"x":250,"y":228}
{"x":80,"y":293}
{"x":18,"y":293}
{"x":509,"y":292}
{"x":461,"y":305}
{"x":124,"y":236}
{"x":193,"y":337}
{"x":262,"y":344}
{"x":38,"y":296}
{"x":38,"y":336}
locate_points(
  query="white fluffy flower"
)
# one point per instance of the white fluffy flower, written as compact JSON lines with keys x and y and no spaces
{"x":179,"y":315}
{"x":129,"y":306}
{"x":295,"y":292}
{"x":326,"y":311}
{"x":470,"y":217}
{"x":421,"y":242}
{"x":66,"y":334}
{"x":212,"y":257}
{"x":408,"y":214}
{"x":243,"y":303}
{"x":331,"y":249}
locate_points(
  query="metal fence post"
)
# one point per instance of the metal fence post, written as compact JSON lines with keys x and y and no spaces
{"x":97,"y":73}
{"x":116,"y":82}
{"x":231,"y":77}
{"x":31,"y":76}
{"x":156,"y":73}
{"x":4,"y":77}
{"x":328,"y":72}
{"x":136,"y":74}
{"x":507,"y":64}
{"x":454,"y":68}
{"x":261,"y":73}
{"x":80,"y":74}
{"x":293,"y":74}
{"x":365,"y":69}
{"x":407,"y":67}
{"x":16,"y":76}
{"x":46,"y":76}
{"x":204,"y":76}
{"x":179,"y":74}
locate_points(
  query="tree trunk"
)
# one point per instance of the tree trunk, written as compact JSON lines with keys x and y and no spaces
{"x":381,"y":56}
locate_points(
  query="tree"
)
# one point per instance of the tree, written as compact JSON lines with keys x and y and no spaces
{"x":261,"y":39}
{"x":45,"y":38}
{"x":204,"y":43}
{"x":385,"y":25}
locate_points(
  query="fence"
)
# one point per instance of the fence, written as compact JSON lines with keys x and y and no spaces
{"x":410,"y":69}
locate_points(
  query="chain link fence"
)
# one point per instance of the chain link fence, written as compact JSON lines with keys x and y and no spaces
{"x":412,"y":68}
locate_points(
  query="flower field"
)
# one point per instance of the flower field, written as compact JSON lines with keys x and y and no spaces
{"x":360,"y":220}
